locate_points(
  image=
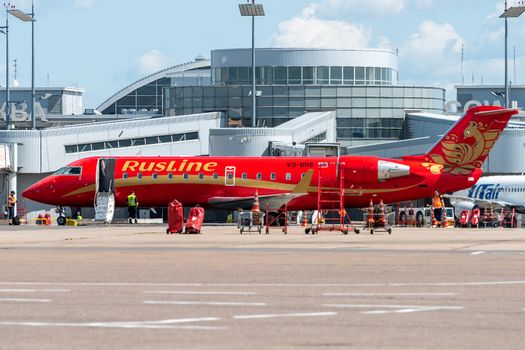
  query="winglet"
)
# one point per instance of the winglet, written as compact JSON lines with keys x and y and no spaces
{"x":304,"y":184}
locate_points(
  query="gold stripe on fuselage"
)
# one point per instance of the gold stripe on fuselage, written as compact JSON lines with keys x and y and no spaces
{"x":239,"y":182}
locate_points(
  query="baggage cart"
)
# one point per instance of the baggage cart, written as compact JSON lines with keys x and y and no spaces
{"x":379,"y":222}
{"x":175,"y":217}
{"x":195,"y":220}
{"x":245,"y":223}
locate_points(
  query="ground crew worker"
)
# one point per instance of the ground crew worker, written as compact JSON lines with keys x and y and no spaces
{"x":132,"y":207}
{"x":437,"y":202}
{"x":11,"y":202}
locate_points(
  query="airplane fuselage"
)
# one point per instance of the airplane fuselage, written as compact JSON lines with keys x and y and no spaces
{"x":195,"y":180}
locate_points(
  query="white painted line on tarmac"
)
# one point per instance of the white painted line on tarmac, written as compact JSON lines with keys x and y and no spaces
{"x":215,"y":303}
{"x":388,"y":294}
{"x":34,"y":290}
{"x":161,"y":324}
{"x":187,"y":292}
{"x":394,"y":308}
{"x":26,"y":300}
{"x":458,"y":284}
{"x":478,"y":253}
{"x":131,"y":284}
{"x":306,"y":314}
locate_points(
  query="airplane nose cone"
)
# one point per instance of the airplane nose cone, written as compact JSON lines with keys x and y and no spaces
{"x":32,"y":193}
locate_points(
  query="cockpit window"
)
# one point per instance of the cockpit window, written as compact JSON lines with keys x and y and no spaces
{"x":69,"y":170}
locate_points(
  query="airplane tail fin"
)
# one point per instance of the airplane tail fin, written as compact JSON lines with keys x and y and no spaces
{"x":468,"y":142}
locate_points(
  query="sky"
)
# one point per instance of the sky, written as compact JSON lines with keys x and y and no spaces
{"x":105,"y":45}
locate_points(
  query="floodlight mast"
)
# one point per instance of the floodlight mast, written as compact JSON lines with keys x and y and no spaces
{"x":29,"y":17}
{"x":252,"y":10}
{"x":512,"y":12}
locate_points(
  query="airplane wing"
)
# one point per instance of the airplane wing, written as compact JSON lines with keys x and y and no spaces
{"x":487,"y":202}
{"x":271,"y":200}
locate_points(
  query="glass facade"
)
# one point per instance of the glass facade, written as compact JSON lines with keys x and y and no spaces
{"x":294,"y":75}
{"x":147,"y":98}
{"x":363,"y":112}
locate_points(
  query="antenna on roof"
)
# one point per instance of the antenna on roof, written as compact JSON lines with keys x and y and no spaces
{"x":461,"y":76}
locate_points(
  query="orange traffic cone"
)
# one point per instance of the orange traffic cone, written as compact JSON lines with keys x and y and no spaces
{"x":381,"y":216}
{"x":305,"y":219}
{"x":256,"y":210}
{"x":444,"y":221}
{"x":433,"y":217}
{"x":370,"y":221}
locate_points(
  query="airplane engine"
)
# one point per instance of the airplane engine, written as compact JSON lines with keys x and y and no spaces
{"x":460,"y":205}
{"x":389,"y":170}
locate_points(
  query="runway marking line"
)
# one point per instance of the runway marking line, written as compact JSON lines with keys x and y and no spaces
{"x":34,"y":290}
{"x":161,"y":324}
{"x":212,"y":303}
{"x":305,"y":314}
{"x":387,"y":294}
{"x":26,"y":300}
{"x":478,"y":253}
{"x":131,"y":284}
{"x":198,"y":292}
{"x":394,"y":308}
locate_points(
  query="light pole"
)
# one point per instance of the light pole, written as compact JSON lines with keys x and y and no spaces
{"x":5,"y":30}
{"x":252,"y":10}
{"x":29,"y":17}
{"x":513,"y":11}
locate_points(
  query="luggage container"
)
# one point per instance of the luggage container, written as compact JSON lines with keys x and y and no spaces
{"x":464,"y":217}
{"x":195,"y":220}
{"x":474,"y":218}
{"x":175,"y":217}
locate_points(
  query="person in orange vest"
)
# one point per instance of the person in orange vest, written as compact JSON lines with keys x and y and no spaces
{"x":11,"y":202}
{"x":437,"y":203}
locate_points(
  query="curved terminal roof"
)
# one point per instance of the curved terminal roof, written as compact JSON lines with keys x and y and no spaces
{"x":199,"y":63}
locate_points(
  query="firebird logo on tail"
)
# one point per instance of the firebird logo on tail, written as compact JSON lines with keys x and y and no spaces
{"x":461,"y":158}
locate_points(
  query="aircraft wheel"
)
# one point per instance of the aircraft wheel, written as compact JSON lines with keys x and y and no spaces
{"x":61,"y":220}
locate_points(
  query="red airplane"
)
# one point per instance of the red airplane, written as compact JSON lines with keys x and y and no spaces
{"x":454,"y":163}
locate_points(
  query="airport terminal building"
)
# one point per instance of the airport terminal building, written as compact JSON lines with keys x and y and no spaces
{"x":203,"y":107}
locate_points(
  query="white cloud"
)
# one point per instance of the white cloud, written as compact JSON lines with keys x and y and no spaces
{"x":151,"y":61}
{"x":431,"y":45}
{"x":84,"y":3}
{"x":378,"y":7}
{"x":306,"y":30}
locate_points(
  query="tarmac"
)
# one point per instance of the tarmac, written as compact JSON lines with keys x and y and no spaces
{"x":135,"y":287}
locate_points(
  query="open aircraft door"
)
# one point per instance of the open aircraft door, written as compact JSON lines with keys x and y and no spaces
{"x":105,"y":190}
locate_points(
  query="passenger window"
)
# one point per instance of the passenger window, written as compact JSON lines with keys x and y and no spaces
{"x":139,"y":176}
{"x":273,"y":176}
{"x":259,"y":176}
{"x":155,"y":176}
{"x":288,"y":176}
{"x":244,"y":176}
{"x":125,"y":175}
{"x":201,"y":176}
{"x":185,"y":176}
{"x":170,"y":176}
{"x":230,"y":176}
{"x":215,"y":176}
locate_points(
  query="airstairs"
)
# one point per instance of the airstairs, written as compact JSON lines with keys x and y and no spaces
{"x":104,"y":207}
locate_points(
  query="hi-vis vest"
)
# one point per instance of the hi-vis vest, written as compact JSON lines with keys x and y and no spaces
{"x":437,"y":202}
{"x":11,"y":201}
{"x":132,"y":200}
